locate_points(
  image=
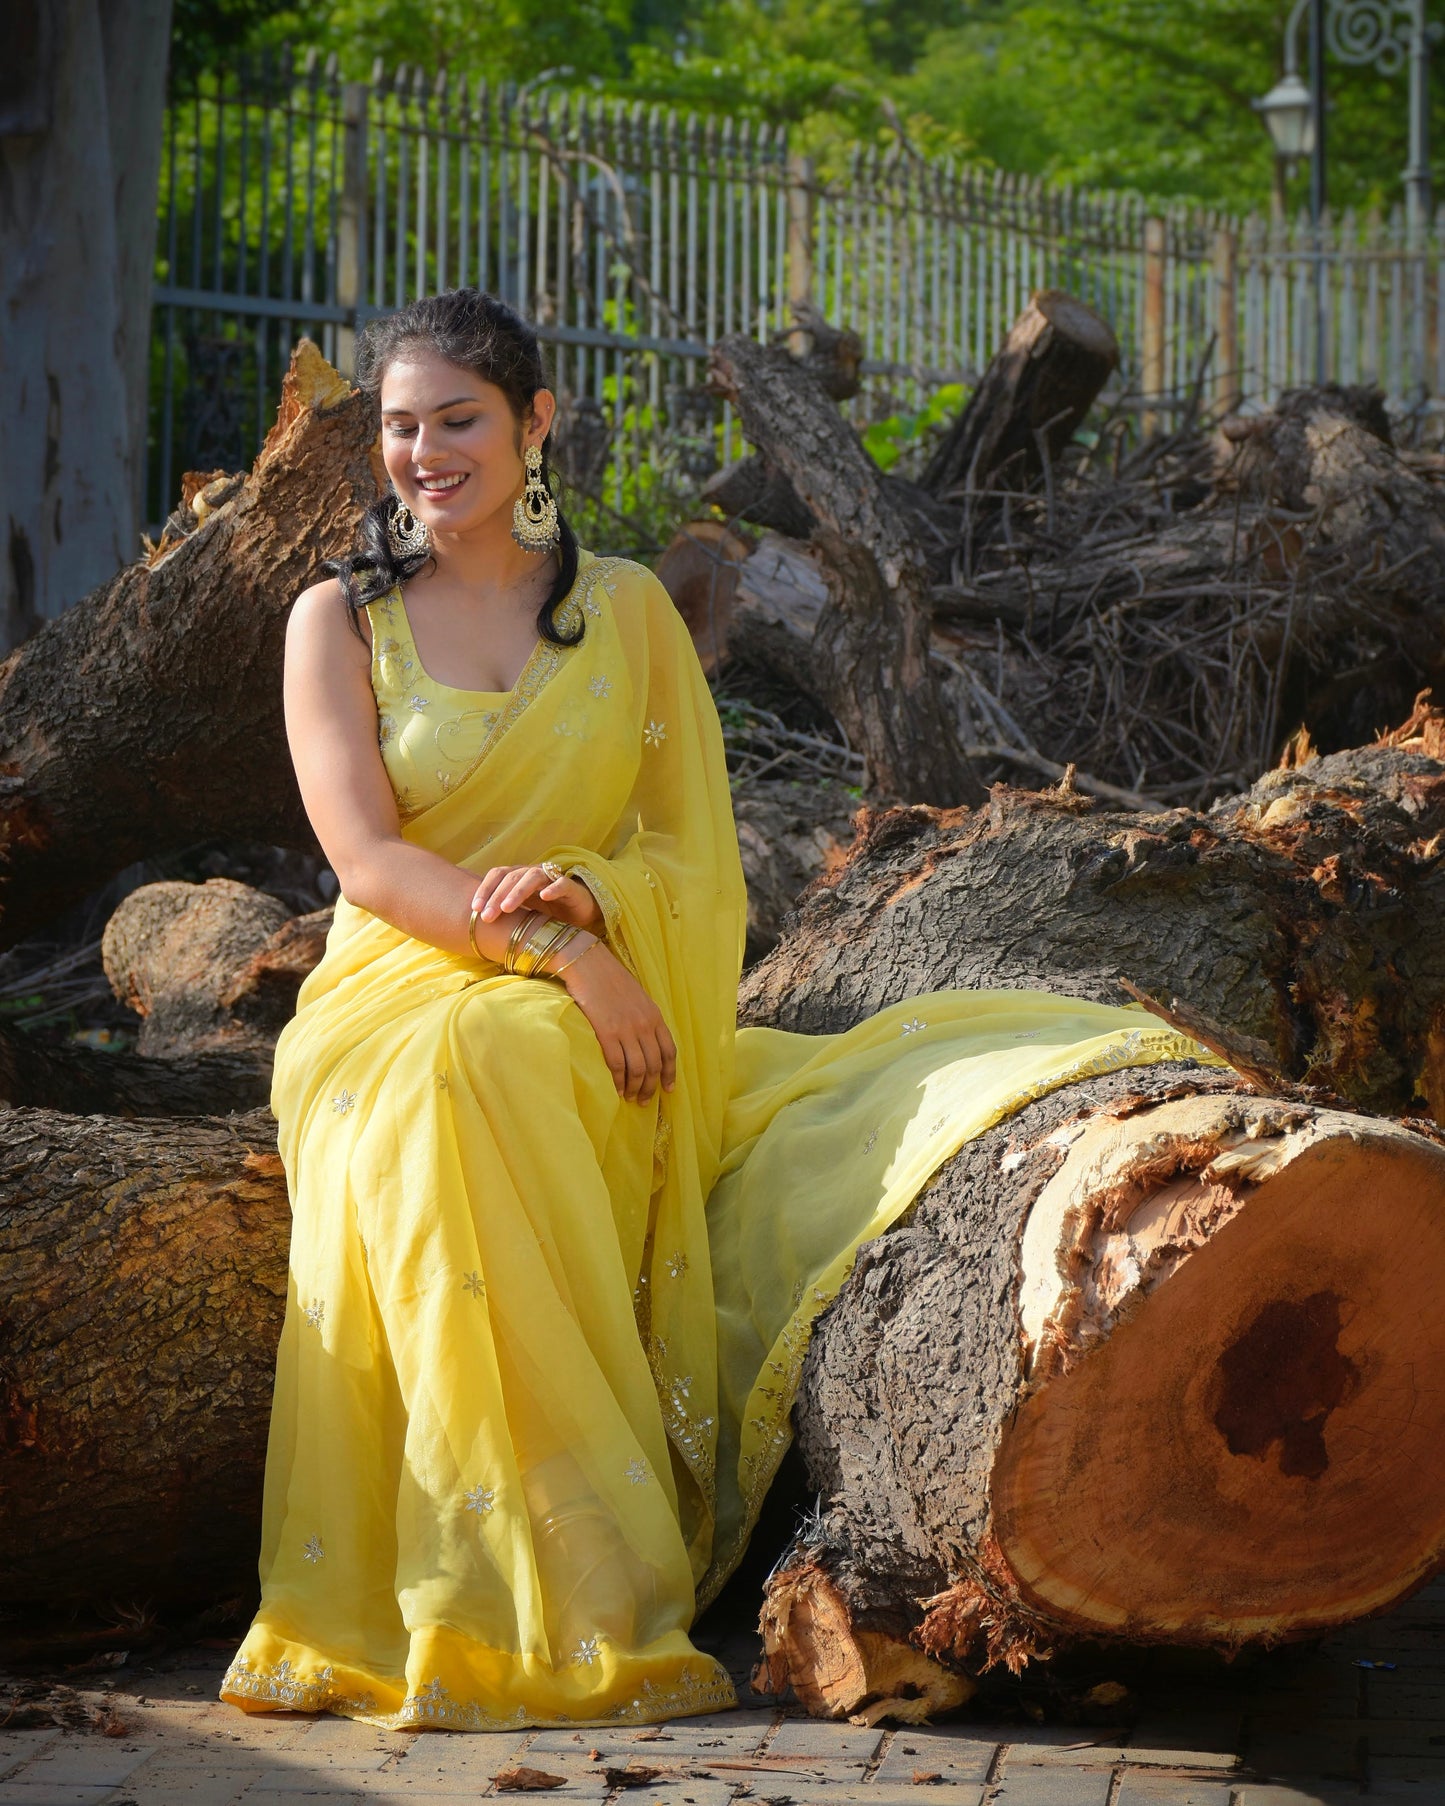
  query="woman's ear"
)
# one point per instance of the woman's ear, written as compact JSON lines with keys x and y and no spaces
{"x":544,"y":412}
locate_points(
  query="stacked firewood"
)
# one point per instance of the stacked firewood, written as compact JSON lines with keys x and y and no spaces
{"x":1150,"y":1360}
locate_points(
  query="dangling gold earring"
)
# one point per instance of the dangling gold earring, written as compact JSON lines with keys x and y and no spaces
{"x":534,"y":518}
{"x":405,"y":534}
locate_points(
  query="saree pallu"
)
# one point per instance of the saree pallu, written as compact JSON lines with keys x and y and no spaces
{"x":541,"y":1343}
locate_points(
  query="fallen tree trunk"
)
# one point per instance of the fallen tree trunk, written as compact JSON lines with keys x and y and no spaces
{"x":103,"y":711}
{"x":870,"y":647}
{"x":144,"y":1280}
{"x":1124,"y":1372}
{"x":1293,"y":929}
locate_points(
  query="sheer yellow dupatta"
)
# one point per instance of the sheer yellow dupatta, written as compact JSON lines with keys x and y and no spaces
{"x":609,"y":759}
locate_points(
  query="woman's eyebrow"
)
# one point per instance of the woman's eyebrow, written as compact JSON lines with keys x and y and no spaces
{"x":440,"y":407}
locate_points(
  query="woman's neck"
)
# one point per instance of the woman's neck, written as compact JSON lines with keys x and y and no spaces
{"x":486,"y":561}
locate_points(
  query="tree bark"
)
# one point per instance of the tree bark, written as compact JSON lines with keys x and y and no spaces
{"x":870,"y":647}
{"x":1121,"y":1373}
{"x":144,"y":1282}
{"x":1030,"y":401}
{"x":80,"y":136}
{"x":103,"y":712}
{"x":1292,"y":929}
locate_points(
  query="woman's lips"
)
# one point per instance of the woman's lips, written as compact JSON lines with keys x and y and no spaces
{"x":442,"y":486}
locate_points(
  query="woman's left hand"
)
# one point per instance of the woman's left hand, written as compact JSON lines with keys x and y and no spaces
{"x":509,"y":887}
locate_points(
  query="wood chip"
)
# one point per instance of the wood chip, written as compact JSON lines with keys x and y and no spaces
{"x":926,"y":1777}
{"x":526,"y":1780}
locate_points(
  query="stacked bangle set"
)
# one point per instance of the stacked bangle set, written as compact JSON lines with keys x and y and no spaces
{"x":535,"y":944}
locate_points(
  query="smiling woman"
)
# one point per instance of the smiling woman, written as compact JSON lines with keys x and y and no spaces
{"x":559,"y":1231}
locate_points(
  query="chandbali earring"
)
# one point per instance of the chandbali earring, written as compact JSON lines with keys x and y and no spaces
{"x":534,"y":518}
{"x":405,"y":534}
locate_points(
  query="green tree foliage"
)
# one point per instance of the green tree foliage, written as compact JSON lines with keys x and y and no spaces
{"x":1147,"y":94}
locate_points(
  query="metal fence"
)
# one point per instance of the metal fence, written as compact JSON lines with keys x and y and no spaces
{"x":295,"y":202}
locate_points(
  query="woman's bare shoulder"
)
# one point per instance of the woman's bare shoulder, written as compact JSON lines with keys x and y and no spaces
{"x":320,"y":617}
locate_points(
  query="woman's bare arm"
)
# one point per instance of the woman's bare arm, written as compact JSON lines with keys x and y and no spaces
{"x":331,"y":726}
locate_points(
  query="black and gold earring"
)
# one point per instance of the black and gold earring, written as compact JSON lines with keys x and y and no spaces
{"x":534,"y":518}
{"x":405,"y":534}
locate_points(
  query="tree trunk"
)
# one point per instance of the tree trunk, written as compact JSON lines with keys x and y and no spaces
{"x":1121,"y":1373}
{"x":1030,"y":401}
{"x":870,"y":647}
{"x":105,"y":712}
{"x":144,"y":1281}
{"x":80,"y":139}
{"x":1293,"y":928}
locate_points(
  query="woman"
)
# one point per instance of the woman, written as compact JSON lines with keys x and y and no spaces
{"x":559,"y":1232}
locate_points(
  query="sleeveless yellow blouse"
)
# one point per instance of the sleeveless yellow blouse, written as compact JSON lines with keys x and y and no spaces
{"x":430,"y":732}
{"x":541,"y":1345}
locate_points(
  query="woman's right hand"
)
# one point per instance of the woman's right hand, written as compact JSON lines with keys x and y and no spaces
{"x":635,"y":1042}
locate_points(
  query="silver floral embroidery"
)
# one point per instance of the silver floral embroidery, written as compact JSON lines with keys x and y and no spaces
{"x":655,"y":733}
{"x":637,"y":1473}
{"x":676,"y":1264}
{"x":941,"y":1123}
{"x":315,"y":1313}
{"x":481,"y":1499}
{"x":418,"y":703}
{"x":443,"y":1082}
{"x":588,"y":1651}
{"x":475,"y":1284}
{"x":313,"y":1551}
{"x":681,"y":1388}
{"x":343,"y":1101}
{"x":868,"y":1145}
{"x":912,"y":1028}
{"x":385,"y":730}
{"x":600,"y":686}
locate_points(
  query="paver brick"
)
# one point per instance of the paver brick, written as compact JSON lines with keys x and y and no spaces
{"x":183,"y":1787}
{"x":833,"y":1743}
{"x":958,"y":1755}
{"x":1178,"y":1756}
{"x":22,"y":1746}
{"x":1171,"y":1790}
{"x":84,"y":1762}
{"x":1038,"y":1786}
{"x":1077,"y":1750}
{"x":51,"y":1793}
{"x":1297,"y":1793}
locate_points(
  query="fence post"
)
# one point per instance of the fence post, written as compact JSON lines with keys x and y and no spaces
{"x":800,"y":248}
{"x":351,"y":221}
{"x":1155,"y":246}
{"x":1226,"y":321}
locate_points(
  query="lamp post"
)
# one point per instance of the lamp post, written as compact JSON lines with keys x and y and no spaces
{"x":1382,"y":34}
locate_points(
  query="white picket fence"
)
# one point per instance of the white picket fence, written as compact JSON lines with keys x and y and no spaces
{"x":634,"y":236}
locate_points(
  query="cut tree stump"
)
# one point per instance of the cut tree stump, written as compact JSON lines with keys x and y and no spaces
{"x":1137,"y":1365}
{"x":148,"y":717}
{"x":1030,"y":401}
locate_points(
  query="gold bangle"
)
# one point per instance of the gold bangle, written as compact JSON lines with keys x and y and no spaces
{"x":538,"y":945}
{"x":580,"y":934}
{"x":472,"y":934}
{"x":559,"y":943}
{"x":524,"y":925}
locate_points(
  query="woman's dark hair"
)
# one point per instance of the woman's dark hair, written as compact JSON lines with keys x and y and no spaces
{"x":476,"y":332}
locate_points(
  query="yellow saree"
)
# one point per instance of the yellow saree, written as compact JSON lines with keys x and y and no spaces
{"x":541,"y":1344}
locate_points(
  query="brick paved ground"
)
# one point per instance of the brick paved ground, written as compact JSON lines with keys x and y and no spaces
{"x":1302,"y":1727}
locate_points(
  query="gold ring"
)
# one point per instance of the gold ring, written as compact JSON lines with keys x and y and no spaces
{"x":553,"y":870}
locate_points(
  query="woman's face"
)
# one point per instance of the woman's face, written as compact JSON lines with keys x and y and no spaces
{"x":452,"y":445}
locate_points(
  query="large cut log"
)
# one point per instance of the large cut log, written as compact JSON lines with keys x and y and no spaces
{"x":1030,"y":401}
{"x":1138,"y":1366}
{"x":1341,"y":850}
{"x":1293,"y":928}
{"x":144,"y":1277}
{"x":148,"y":716}
{"x":870,"y":648}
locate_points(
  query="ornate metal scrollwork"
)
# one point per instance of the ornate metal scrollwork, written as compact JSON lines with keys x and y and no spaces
{"x":1373,"y":32}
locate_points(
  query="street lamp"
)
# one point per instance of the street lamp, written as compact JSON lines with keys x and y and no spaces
{"x":1382,"y":34}
{"x":1288,"y":114}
